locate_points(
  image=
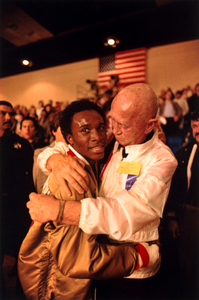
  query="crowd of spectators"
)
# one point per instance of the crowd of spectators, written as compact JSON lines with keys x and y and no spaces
{"x":174,"y":114}
{"x":34,"y":124}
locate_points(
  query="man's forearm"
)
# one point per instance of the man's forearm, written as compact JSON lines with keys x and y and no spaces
{"x":71,"y":213}
{"x":45,"y":208}
{"x":49,"y":163}
{"x":54,"y":159}
{"x":42,"y":159}
{"x":59,"y":148}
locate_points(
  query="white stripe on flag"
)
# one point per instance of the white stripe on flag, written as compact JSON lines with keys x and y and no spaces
{"x":132,"y":75}
{"x":133,"y":80}
{"x":130,"y":66}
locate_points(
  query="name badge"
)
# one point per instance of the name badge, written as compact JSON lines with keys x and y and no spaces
{"x":132,"y":169}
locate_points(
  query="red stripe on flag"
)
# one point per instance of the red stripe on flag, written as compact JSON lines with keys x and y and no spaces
{"x":130,"y":66}
{"x":131,"y":51}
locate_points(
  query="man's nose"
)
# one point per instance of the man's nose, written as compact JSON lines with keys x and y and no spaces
{"x":115,"y":127}
{"x":96,"y":135}
{"x":7,"y":117}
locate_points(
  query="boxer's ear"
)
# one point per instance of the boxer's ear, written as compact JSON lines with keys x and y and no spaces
{"x":70,"y":140}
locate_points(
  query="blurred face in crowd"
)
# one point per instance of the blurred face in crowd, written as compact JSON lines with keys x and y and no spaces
{"x":43,"y":115}
{"x":32,"y":110}
{"x":40,"y":104}
{"x":160,"y":100}
{"x":28,"y":130}
{"x":88,"y":135}
{"x":195,"y":129}
{"x":6,"y":118}
{"x":58,"y":135}
{"x":48,"y":108}
{"x":168,"y":95}
{"x":177,"y":95}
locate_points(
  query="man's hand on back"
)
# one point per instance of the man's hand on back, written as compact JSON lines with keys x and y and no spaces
{"x":70,"y":169}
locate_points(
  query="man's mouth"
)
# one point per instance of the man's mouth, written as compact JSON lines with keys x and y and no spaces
{"x":118,"y":138}
{"x":98,"y":148}
{"x":8,"y":123}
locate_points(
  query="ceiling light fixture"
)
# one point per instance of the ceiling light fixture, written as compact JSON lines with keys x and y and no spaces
{"x":112,"y":42}
{"x":26,"y":62}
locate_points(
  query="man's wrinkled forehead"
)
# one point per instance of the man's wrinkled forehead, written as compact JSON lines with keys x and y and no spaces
{"x":123,"y":100}
{"x":126,"y":105}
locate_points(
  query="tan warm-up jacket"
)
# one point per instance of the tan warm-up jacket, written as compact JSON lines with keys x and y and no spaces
{"x":57,"y":261}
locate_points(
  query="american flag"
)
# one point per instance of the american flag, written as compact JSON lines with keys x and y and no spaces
{"x":129,"y":65}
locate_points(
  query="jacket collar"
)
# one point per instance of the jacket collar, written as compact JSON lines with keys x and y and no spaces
{"x":141,"y":148}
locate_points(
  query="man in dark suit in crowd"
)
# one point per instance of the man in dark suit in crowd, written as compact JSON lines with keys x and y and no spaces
{"x":182,"y":213}
{"x":194,"y":100}
{"x":15,"y":185}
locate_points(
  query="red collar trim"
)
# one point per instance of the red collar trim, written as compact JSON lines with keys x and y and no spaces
{"x":106,"y":164}
{"x":71,"y":153}
{"x":110,"y":138}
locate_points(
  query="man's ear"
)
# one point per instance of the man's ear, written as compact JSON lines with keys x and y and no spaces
{"x":150,"y":125}
{"x":69,"y":138}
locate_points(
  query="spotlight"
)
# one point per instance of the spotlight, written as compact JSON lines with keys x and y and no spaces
{"x":111,"y":41}
{"x":26,"y":62}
